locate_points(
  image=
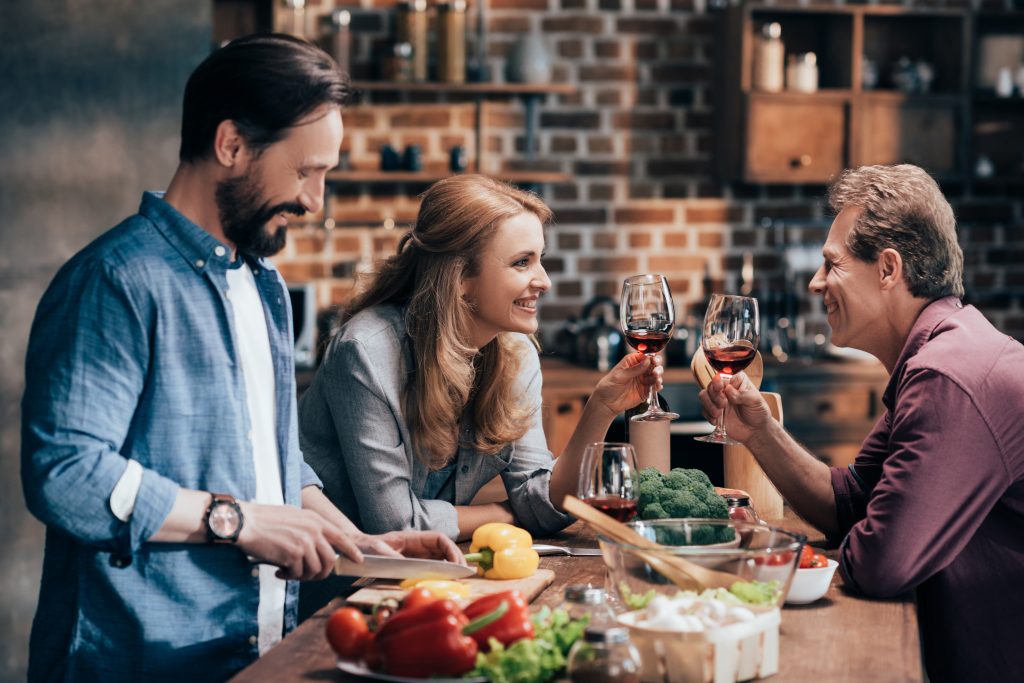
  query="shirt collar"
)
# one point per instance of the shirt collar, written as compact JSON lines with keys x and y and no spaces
{"x":931,"y":317}
{"x":197,"y":246}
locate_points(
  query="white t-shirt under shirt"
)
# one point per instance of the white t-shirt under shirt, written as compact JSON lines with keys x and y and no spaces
{"x":257,"y":363}
{"x":258,"y":370}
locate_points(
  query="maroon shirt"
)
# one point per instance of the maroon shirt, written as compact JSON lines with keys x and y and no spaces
{"x":935,"y":499}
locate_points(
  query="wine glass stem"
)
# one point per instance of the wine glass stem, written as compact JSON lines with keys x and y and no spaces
{"x":720,"y":423}
{"x":652,"y":398}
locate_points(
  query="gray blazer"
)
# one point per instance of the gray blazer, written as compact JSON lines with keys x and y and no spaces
{"x":354,"y":436}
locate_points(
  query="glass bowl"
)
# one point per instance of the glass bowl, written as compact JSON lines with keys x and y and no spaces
{"x":753,"y":552}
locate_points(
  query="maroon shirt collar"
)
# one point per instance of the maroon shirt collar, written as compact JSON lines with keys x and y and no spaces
{"x":931,"y":316}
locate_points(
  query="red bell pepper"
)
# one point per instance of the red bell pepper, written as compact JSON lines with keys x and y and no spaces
{"x":514,"y":624}
{"x":426,"y":641}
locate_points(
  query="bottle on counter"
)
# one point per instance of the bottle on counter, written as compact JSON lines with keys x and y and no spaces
{"x":451,"y":41}
{"x":411,"y":27}
{"x":769,"y":59}
{"x":604,"y":656}
{"x":651,"y":439}
{"x":740,"y":509}
{"x":337,"y":37}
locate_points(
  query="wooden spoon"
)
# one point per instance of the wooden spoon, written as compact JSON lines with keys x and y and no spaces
{"x":704,"y":373}
{"x":680,"y":571}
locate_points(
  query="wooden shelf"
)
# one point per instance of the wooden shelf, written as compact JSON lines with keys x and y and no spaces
{"x":900,"y":96}
{"x":823,"y":95}
{"x":468,"y":88}
{"x":428,"y":178}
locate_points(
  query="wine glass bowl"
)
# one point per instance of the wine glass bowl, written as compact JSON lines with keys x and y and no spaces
{"x":730,"y":336}
{"x":648,"y":317}
{"x":609,"y":479}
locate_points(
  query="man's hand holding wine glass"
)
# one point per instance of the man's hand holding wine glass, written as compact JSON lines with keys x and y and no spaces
{"x":748,"y":413}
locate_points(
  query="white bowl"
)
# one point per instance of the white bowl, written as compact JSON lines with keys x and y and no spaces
{"x":810,"y":584}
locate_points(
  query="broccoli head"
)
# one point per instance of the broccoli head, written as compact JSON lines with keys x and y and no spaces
{"x":683,"y":493}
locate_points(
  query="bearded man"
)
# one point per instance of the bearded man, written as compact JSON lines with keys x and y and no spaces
{"x":159,"y":437}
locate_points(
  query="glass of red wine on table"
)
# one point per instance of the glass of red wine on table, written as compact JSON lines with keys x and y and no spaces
{"x":609,"y":479}
{"x":648,"y":317}
{"x":729,"y":341}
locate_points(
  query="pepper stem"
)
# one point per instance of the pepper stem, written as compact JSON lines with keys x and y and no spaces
{"x":486,"y":620}
{"x":484,"y":557}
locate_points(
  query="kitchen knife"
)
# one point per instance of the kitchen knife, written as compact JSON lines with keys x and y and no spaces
{"x":382,"y":567}
{"x":560,"y":550}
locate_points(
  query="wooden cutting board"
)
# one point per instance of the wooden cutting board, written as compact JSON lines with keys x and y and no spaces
{"x":530,"y":587}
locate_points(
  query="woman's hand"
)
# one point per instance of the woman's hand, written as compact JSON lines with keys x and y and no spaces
{"x":628,"y":383}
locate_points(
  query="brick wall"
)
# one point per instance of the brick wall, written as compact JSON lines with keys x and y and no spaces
{"x":637,"y":138}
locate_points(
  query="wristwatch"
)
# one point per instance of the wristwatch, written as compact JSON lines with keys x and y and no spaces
{"x":223,"y":519}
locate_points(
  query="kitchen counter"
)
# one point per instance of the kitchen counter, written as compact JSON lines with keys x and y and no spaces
{"x":841,"y":637}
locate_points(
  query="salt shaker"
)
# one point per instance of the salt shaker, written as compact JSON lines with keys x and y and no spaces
{"x":740,"y":509}
{"x":604,"y":656}
{"x":588,"y":602}
{"x":769,"y":59}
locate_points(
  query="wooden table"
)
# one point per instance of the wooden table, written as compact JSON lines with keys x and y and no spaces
{"x":841,"y":637}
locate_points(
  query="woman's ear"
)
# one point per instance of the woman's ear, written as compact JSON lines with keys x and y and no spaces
{"x":228,"y":144}
{"x":890,"y":268}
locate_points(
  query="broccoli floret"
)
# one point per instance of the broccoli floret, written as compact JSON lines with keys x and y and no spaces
{"x":683,"y":493}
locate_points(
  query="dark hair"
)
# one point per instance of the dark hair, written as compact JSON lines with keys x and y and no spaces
{"x":265,"y":84}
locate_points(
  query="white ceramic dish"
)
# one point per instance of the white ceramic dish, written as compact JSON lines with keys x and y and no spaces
{"x":810,"y":584}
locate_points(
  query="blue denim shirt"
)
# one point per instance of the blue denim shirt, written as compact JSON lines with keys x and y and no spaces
{"x":132,"y":356}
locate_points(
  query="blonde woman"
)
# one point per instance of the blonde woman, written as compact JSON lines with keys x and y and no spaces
{"x":432,"y":387}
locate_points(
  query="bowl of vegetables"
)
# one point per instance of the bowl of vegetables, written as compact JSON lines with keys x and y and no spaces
{"x":762,"y":558}
{"x":813,"y":577}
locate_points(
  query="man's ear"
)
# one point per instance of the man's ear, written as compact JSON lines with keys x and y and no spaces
{"x":890,"y":268}
{"x":228,"y":144}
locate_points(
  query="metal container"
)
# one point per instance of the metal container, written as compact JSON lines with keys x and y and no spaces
{"x":451,"y":42}
{"x":411,"y":27}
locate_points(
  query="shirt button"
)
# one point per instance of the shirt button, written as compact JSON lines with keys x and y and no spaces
{"x":220,"y":251}
{"x":256,"y":573}
{"x":200,"y":263}
{"x":255,"y":271}
{"x":253,"y":640}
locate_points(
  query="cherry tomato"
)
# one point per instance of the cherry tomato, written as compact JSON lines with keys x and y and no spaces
{"x":418,"y":596}
{"x":348,"y":632}
{"x":819,"y":561}
{"x":806,"y":557}
{"x":775,"y":559}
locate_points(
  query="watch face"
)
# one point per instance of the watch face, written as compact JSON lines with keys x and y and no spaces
{"x":224,"y":520}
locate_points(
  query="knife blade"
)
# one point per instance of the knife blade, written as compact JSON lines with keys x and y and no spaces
{"x":561,"y":550}
{"x":382,"y":567}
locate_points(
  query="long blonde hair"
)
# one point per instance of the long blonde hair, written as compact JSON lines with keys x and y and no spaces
{"x":458,"y":217}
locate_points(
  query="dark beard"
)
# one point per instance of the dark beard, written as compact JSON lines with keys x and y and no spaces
{"x":244,"y":216}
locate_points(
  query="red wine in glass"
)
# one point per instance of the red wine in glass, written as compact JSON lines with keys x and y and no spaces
{"x":729,"y":360}
{"x":647,"y":342}
{"x":616,"y":507}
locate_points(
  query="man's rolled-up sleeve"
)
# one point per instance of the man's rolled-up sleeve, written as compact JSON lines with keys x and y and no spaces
{"x":84,"y":374}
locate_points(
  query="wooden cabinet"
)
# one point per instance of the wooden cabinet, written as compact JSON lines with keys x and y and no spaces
{"x":893,"y":86}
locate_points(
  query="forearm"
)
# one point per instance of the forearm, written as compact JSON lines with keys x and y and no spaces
{"x":314,"y":499}
{"x":473,"y":516}
{"x":803,"y":480}
{"x":592,"y":427}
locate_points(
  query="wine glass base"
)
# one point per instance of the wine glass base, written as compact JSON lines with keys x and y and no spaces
{"x":650,"y":416}
{"x":722,"y":439}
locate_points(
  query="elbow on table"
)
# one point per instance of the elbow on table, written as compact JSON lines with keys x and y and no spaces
{"x":878,"y":577}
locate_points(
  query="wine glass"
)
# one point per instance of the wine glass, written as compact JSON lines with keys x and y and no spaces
{"x":648,"y":317}
{"x":609,"y":479}
{"x":731,"y":330}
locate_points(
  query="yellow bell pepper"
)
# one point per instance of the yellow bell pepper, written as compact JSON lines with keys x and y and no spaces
{"x":502,"y":551}
{"x":441,"y":589}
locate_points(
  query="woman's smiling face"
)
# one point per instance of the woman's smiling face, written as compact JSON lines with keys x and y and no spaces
{"x":509,"y":280}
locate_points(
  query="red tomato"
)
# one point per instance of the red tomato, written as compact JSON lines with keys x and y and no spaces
{"x":416,"y":597}
{"x":806,"y":557}
{"x":775,"y":559}
{"x":819,"y":561}
{"x":347,"y":632}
